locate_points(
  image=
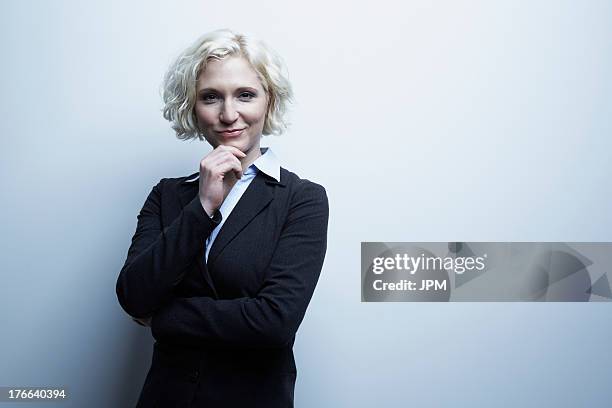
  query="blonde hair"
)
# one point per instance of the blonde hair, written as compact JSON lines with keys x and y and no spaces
{"x":179,"y":84}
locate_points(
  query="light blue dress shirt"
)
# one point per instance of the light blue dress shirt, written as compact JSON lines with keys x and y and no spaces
{"x":267,"y":163}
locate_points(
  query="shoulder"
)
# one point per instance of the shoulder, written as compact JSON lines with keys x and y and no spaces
{"x":302,"y":189}
{"x":298,"y":188}
{"x":174,"y":182}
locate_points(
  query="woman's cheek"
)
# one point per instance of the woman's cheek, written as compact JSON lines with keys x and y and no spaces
{"x":206,"y":116}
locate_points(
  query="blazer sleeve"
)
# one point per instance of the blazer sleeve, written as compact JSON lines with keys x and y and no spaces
{"x":271,"y":318}
{"x":158,"y":258}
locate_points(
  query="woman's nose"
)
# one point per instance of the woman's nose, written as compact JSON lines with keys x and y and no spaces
{"x":228,"y":113}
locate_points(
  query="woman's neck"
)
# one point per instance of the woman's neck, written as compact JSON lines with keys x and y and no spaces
{"x":250,"y":157}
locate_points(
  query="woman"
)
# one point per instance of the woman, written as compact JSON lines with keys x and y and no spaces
{"x":224,"y":261}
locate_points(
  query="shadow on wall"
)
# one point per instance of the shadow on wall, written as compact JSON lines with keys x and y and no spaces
{"x":134,"y":353}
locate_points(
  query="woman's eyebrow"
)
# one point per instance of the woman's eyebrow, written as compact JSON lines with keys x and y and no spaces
{"x":239,"y":89}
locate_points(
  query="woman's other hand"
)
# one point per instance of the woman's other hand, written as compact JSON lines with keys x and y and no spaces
{"x":219,"y":171}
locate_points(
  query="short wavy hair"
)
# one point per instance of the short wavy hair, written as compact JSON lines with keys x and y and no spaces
{"x":179,"y":84}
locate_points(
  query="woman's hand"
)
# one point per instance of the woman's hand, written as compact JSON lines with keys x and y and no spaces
{"x":219,"y":171}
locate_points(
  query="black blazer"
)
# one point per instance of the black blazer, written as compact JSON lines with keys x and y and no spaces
{"x":225,"y":329}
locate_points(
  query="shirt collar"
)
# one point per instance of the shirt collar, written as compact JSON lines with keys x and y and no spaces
{"x":267,"y":163}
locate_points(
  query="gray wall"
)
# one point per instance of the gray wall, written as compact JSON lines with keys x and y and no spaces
{"x":425,"y":121}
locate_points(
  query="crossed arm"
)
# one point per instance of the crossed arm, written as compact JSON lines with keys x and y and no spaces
{"x":270,"y":319}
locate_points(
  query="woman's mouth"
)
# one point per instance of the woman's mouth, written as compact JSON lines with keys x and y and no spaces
{"x":232,"y":133}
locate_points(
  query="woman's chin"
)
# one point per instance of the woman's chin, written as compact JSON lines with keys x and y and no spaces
{"x":234,"y":143}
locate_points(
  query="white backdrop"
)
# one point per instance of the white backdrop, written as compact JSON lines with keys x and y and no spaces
{"x":424,"y":120}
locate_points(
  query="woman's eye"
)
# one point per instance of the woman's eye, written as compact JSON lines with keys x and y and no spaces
{"x":247,"y":95}
{"x":209,"y":97}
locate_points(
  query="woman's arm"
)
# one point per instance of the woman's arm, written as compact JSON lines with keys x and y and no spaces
{"x":272,"y":317}
{"x":158,"y":258}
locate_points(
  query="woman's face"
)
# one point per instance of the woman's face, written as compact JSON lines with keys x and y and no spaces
{"x":230,"y":97}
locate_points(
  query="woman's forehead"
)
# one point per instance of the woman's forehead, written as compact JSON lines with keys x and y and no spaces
{"x":233,"y":71}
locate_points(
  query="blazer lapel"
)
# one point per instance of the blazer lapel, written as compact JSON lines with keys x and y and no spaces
{"x":256,"y":197}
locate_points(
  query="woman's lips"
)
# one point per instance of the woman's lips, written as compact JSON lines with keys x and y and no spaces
{"x":233,"y":133}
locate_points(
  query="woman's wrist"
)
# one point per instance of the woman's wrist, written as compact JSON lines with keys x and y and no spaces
{"x":208,"y":208}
